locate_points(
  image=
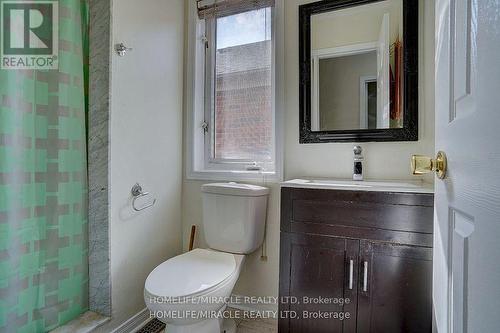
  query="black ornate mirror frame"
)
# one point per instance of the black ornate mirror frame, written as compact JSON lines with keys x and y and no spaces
{"x":409,"y":132}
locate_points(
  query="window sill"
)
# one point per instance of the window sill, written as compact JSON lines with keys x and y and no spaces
{"x":225,"y":175}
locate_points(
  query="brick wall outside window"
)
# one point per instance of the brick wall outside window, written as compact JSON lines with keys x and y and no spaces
{"x":243,"y":106}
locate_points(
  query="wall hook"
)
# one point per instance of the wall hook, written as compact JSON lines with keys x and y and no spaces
{"x":121,"y":49}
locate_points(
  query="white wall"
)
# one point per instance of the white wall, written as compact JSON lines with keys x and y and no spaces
{"x":146,"y":145}
{"x":383,"y":160}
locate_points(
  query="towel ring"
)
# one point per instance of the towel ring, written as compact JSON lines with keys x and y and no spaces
{"x":137,"y":193}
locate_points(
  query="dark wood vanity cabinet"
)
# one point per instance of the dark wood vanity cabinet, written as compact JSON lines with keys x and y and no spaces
{"x":366,"y":256}
{"x":398,"y":293}
{"x":317,"y":270}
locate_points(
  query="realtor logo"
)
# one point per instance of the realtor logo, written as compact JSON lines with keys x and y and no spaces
{"x":29,"y":34}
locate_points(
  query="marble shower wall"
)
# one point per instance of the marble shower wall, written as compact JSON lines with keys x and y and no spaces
{"x":98,"y":157}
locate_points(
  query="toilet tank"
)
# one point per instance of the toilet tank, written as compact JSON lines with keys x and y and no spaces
{"x":234,"y":216}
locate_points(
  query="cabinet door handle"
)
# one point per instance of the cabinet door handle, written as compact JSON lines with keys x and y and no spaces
{"x":351,"y":273}
{"x":365,"y":276}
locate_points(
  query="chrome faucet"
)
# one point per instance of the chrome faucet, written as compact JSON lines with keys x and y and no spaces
{"x":358,"y":163}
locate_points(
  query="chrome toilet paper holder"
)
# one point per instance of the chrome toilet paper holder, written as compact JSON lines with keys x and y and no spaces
{"x":138,"y":192}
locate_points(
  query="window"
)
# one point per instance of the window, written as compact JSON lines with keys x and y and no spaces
{"x":235,"y":113}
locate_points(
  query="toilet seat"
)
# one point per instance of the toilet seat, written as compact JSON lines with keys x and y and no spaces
{"x":191,"y":273}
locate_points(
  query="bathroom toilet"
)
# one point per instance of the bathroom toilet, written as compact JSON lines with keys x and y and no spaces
{"x":190,"y":291}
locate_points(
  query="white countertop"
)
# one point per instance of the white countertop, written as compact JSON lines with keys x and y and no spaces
{"x":368,"y":185}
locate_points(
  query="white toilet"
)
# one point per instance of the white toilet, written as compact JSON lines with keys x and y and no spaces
{"x":188,"y":292}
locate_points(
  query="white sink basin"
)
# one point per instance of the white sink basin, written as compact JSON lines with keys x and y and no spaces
{"x":369,"y":185}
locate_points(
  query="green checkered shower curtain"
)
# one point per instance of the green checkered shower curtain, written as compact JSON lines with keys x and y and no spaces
{"x":43,"y":185}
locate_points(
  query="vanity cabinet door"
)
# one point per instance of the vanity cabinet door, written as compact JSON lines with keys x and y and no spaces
{"x":395,"y":288}
{"x":316,"y":273}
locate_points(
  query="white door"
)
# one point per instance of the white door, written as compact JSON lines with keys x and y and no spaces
{"x":466,"y":292}
{"x":383,"y":78}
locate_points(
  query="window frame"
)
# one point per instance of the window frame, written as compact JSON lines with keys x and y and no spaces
{"x":200,"y":163}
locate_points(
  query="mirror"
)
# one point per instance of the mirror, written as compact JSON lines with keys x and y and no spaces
{"x":357,"y":62}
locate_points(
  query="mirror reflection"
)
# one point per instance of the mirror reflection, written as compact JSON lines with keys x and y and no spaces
{"x":357,"y":75}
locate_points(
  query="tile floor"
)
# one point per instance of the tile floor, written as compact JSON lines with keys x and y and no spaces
{"x":258,"y":326}
{"x":83,"y":324}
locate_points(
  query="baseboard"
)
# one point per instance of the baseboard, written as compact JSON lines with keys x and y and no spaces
{"x":134,"y":323}
{"x":251,"y":307}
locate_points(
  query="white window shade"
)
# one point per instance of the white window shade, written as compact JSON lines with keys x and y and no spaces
{"x":219,"y":8}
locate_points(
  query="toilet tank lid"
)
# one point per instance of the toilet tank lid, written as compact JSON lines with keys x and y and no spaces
{"x":235,"y":189}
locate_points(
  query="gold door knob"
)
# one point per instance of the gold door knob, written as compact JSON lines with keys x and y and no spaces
{"x":422,"y":164}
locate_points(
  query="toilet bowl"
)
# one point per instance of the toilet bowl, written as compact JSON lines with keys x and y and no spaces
{"x":190,"y":292}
